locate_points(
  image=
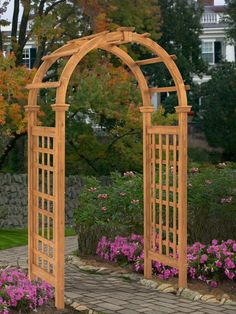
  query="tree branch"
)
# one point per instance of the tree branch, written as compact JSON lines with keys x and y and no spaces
{"x":15,"y":24}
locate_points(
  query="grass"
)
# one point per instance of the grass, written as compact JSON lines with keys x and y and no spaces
{"x":16,"y":237}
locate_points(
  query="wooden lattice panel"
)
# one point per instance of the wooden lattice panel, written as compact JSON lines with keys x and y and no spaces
{"x":44,"y":203}
{"x":164,"y":193}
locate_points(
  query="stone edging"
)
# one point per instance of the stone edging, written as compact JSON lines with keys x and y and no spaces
{"x":163,"y":287}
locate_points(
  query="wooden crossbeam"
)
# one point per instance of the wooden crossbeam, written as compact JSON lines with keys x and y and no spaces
{"x":153,"y":60}
{"x":43,"y":85}
{"x":163,"y":129}
{"x":167,"y":89}
{"x":65,"y":53}
{"x":88,"y":37}
{"x":126,"y":29}
{"x":167,"y":260}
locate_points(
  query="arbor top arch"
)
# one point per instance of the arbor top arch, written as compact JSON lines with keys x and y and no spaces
{"x":109,"y":41}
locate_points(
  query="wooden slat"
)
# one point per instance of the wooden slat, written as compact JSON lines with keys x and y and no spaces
{"x":88,"y":37}
{"x":119,"y":42}
{"x":164,"y":228}
{"x":166,"y":260}
{"x":153,"y":192}
{"x":164,"y":129}
{"x":153,"y":60}
{"x":39,"y":272}
{"x":43,"y":131}
{"x":157,"y":161}
{"x":44,"y":241}
{"x":57,"y":55}
{"x":175,"y":190}
{"x":167,"y":194}
{"x":44,"y":212}
{"x":171,"y":147}
{"x":44,"y":167}
{"x":44,"y":150}
{"x":46,"y":196}
{"x":44,"y":256}
{"x":163,"y":202}
{"x":167,"y":89}
{"x":126,"y":29}
{"x":160,"y":194}
{"x":43,"y":85}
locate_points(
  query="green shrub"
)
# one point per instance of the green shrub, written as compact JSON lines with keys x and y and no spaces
{"x":110,"y":210}
{"x":117,"y":209}
{"x":212,"y":205}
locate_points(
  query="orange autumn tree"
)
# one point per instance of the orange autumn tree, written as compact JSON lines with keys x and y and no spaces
{"x":13,"y":98}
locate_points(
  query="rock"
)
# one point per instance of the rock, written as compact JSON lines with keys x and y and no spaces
{"x":149,"y":283}
{"x":179,"y":291}
{"x":207,"y":297}
{"x":170,"y":290}
{"x":68,"y":301}
{"x":82,"y":308}
{"x":190,"y":294}
{"x":230,"y":302}
{"x":163,"y":286}
{"x":214,"y":300}
{"x":88,"y":268}
{"x":104,"y":270}
{"x":75,"y":305}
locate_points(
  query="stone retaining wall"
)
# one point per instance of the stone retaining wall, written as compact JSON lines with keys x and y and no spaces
{"x":13,"y":199}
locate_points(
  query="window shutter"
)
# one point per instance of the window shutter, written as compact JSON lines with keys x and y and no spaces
{"x":218,"y":51}
{"x":32,"y":57}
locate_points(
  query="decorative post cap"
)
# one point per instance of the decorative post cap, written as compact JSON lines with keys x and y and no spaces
{"x":146,"y":109}
{"x":180,"y":109}
{"x":60,"y":107}
{"x":30,"y":108}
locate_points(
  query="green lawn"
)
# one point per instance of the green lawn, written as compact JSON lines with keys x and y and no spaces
{"x":17,"y":237}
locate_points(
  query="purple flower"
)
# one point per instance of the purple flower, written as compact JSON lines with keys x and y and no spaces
{"x":203,"y":258}
{"x":213,"y":284}
{"x":229,"y":263}
{"x":218,"y":263}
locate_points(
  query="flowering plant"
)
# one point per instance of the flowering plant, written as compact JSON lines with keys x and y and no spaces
{"x":19,"y":293}
{"x":210,"y":263}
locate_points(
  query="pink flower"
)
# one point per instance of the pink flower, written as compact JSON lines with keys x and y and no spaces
{"x":190,"y":185}
{"x":203,"y":258}
{"x":218,"y":264}
{"x":226,"y":200}
{"x":234,"y":247}
{"x":208,"y":182}
{"x":214,"y":242}
{"x":92,"y":189}
{"x":229,"y":263}
{"x":135,"y":202}
{"x":103,"y":196}
{"x":221,"y":165}
{"x":213,"y":284}
{"x":229,"y":274}
{"x":104,"y":209}
{"x":129,"y":174}
{"x":122,"y":193}
{"x":195,"y":170}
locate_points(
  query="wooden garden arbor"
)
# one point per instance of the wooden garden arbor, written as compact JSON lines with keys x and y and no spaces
{"x":164,"y":163}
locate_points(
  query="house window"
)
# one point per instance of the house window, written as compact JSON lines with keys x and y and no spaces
{"x":26,"y":57}
{"x":212,"y":51}
{"x":29,"y":55}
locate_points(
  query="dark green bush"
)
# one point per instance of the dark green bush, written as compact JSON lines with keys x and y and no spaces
{"x":118,"y":208}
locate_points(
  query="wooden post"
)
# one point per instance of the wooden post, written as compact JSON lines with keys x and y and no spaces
{"x":32,"y":121}
{"x":182,"y":186}
{"x":147,"y":110}
{"x":59,"y":188}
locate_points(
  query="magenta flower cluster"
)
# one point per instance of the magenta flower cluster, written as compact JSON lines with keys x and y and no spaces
{"x":210,"y":263}
{"x":19,"y":293}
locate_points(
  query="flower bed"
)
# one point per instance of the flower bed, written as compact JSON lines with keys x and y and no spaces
{"x":209,"y":263}
{"x":17,"y":292}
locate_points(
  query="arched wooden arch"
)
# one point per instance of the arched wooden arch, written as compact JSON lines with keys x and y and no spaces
{"x":164,"y":154}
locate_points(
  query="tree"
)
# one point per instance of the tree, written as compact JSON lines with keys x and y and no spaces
{"x":218,"y":110}
{"x":230,"y":18}
{"x":13,"y":98}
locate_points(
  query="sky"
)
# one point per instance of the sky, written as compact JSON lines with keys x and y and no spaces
{"x":8,"y":14}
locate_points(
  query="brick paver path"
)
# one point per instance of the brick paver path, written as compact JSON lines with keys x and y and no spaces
{"x":108,"y":294}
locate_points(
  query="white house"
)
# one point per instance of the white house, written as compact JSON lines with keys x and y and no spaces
{"x":214,"y":43}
